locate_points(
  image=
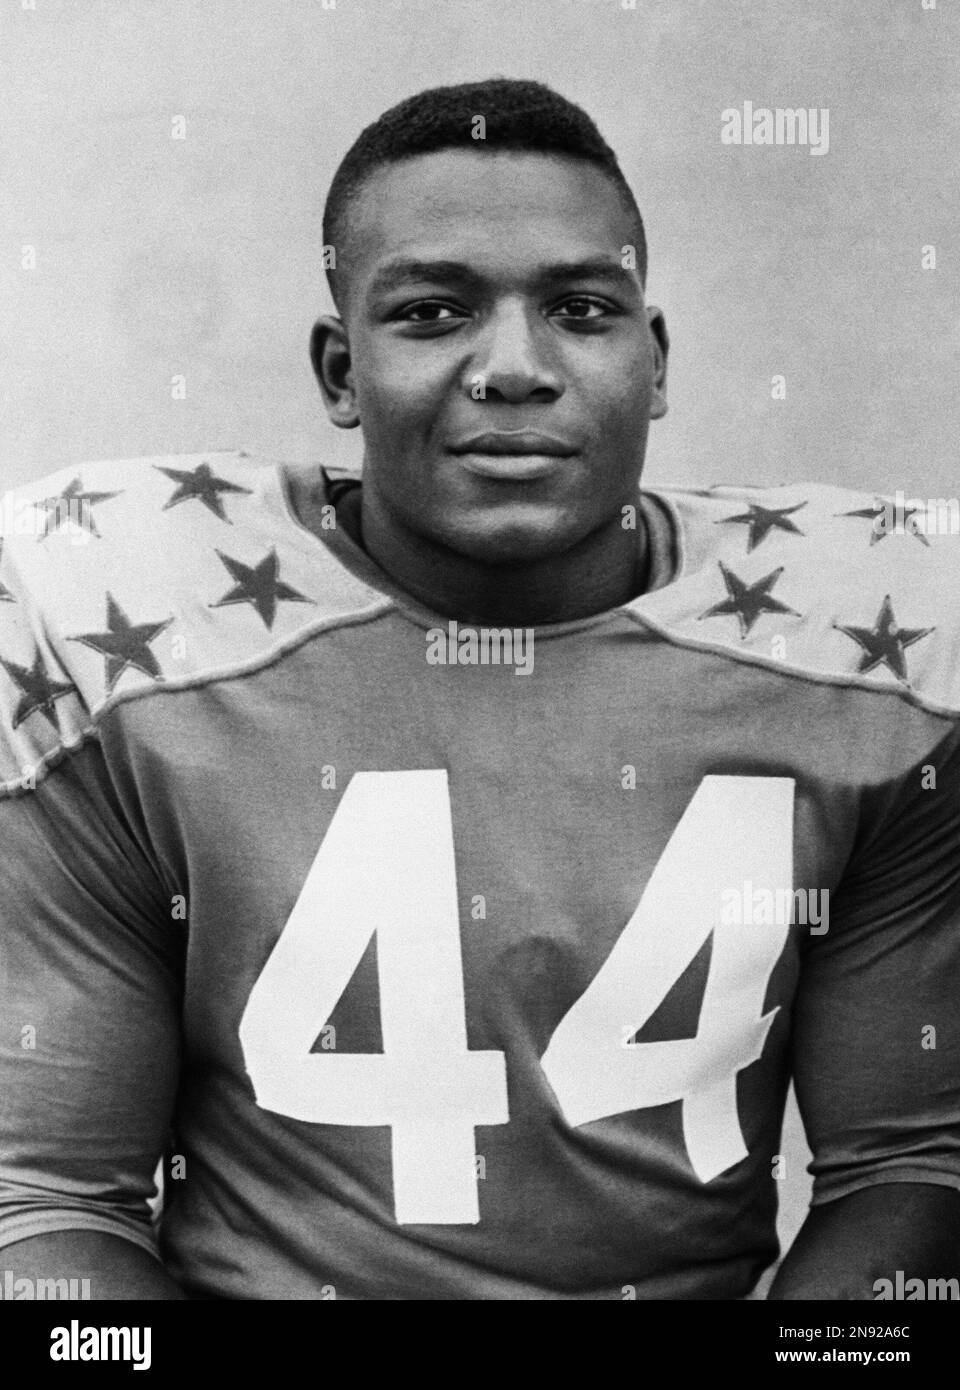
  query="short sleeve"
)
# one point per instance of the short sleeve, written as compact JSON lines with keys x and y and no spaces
{"x":90,"y":984}
{"x":876,"y":1040}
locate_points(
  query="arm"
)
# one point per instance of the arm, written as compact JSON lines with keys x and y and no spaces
{"x":877,"y":1053}
{"x":844,"y":1247}
{"x":89,"y":1034}
{"x":115,"y":1267}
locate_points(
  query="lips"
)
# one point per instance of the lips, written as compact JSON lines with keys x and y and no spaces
{"x":514,"y":444}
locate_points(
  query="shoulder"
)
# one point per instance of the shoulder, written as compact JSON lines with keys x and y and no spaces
{"x":117,"y":498}
{"x":837,"y":585}
{"x":122,"y":577}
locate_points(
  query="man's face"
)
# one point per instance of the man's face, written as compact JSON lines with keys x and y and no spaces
{"x":501,"y":358}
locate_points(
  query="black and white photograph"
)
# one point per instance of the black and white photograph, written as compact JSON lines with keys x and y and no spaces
{"x":480,"y":666}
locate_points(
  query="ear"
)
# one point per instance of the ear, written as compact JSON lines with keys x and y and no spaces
{"x":330,"y":355}
{"x":661,"y":348}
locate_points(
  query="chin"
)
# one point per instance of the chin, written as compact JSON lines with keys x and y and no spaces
{"x":498,"y":540}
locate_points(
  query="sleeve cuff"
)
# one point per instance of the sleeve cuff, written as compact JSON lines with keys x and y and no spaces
{"x":832,"y":1189}
{"x":26,"y":1225}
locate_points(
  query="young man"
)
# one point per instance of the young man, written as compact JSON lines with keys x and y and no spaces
{"x":448,"y":872}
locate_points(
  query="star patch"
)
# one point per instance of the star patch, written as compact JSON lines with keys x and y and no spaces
{"x":200,"y":484}
{"x":763,"y":520}
{"x":259,"y":585}
{"x":885,"y":643}
{"x":5,"y":594}
{"x":747,"y":601}
{"x":880,"y":510}
{"x":38,"y":692}
{"x":72,"y":504}
{"x":125,"y":644}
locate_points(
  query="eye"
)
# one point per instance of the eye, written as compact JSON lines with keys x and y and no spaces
{"x":582,"y":306}
{"x":428,"y":311}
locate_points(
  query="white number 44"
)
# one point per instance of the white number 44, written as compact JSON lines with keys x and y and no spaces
{"x":386,"y":865}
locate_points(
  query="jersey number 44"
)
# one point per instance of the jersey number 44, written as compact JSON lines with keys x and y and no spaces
{"x":386,"y":866}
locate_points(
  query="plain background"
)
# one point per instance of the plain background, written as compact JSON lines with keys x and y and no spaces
{"x":158,"y":258}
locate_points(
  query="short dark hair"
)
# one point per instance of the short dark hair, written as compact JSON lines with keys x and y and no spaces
{"x":518,"y":115}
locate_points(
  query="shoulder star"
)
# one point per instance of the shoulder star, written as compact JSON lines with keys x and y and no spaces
{"x":259,"y":585}
{"x":202,"y":485}
{"x":38,"y":691}
{"x":763,"y":520}
{"x":885,"y":643}
{"x":878,"y":511}
{"x":72,"y":504}
{"x":746,"y":601}
{"x":124,"y":644}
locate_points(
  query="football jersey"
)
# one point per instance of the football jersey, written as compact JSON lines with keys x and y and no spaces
{"x":453,"y":962}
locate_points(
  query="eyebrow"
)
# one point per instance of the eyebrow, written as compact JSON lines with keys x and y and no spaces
{"x":406,"y":270}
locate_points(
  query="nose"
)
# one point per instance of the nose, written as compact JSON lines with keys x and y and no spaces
{"x":515,"y":360}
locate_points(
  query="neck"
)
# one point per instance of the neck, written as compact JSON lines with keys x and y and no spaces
{"x":606,"y":568}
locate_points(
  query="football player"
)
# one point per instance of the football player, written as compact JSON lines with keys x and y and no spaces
{"x":446,"y":869}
